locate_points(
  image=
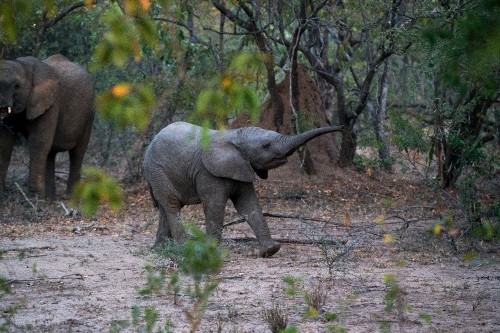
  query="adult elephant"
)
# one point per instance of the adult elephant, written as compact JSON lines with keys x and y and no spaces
{"x":181,"y":171}
{"x":51,"y":103}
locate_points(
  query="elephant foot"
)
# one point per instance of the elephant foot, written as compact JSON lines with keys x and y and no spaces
{"x":269,"y":250}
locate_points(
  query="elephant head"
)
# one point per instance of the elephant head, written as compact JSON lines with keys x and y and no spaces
{"x":240,"y":154}
{"x":26,"y":84}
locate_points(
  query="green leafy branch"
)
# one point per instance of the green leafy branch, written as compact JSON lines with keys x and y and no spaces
{"x":230,"y":93}
{"x":96,"y":188}
{"x":201,"y":259}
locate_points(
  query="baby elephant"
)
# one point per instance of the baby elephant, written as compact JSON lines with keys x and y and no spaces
{"x":182,"y":171}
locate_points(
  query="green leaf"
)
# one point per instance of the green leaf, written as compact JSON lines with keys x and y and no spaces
{"x":201,"y":255}
{"x":96,"y":188}
{"x":127,"y":105}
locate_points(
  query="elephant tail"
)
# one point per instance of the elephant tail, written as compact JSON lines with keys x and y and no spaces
{"x":155,"y":202}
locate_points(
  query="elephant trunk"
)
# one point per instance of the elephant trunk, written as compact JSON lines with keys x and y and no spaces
{"x":292,"y":143}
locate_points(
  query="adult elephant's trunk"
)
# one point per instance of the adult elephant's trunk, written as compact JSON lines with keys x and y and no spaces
{"x":292,"y":143}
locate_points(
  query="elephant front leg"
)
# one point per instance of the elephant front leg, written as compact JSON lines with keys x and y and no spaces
{"x":214,"y":217}
{"x":247,"y":205}
{"x":36,"y":175}
{"x":6,"y":144}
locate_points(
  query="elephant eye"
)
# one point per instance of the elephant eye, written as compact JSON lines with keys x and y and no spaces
{"x":266,"y":145}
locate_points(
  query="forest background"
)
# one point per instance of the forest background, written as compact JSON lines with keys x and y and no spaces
{"x":418,"y":77}
{"x":415,"y":85}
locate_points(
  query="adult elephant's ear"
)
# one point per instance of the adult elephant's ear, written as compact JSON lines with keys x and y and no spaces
{"x":44,"y":92}
{"x":222,"y":159}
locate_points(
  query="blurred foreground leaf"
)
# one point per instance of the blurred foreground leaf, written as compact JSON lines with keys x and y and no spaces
{"x":126,"y":33}
{"x":202,"y":256}
{"x":12,"y":12}
{"x":96,"y":188}
{"x":126,"y":104}
{"x":230,"y":93}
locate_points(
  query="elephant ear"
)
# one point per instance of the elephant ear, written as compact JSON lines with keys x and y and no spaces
{"x":223,"y":159}
{"x":44,"y":90}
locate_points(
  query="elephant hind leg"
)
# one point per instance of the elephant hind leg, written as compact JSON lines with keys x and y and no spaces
{"x":163,"y":231}
{"x":170,"y":226}
{"x":76,"y":157}
{"x":50,"y":176}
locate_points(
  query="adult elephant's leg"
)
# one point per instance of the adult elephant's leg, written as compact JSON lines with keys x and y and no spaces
{"x":40,"y":136}
{"x":6,"y":144}
{"x":247,"y":205}
{"x":38,"y":161}
{"x":76,"y":157}
{"x":50,"y":176}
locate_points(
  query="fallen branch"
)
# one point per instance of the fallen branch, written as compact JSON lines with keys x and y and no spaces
{"x":76,"y":276}
{"x":26,"y":197}
{"x":405,"y":223}
{"x":292,"y":241}
{"x":283,"y":216}
{"x":79,"y":229}
{"x":31,"y":248}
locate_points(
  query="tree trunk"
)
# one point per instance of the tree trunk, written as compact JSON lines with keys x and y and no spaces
{"x":347,"y":148}
{"x":307,"y":164}
{"x":378,"y":114}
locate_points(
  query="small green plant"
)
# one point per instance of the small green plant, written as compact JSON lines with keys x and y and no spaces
{"x":170,"y":250}
{"x":335,"y":329}
{"x":198,"y":260}
{"x":276,"y":318}
{"x":315,"y":300}
{"x":292,"y":285}
{"x":394,"y":298}
{"x":330,"y":316}
{"x":393,"y":295}
{"x":427,"y":318}
{"x":11,"y":310}
{"x":154,"y":282}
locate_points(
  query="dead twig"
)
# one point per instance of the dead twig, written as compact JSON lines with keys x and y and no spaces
{"x":76,"y":276}
{"x":79,"y":229}
{"x":26,"y":197}
{"x":68,"y":212}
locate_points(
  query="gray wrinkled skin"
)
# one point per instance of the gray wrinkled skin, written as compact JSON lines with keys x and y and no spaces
{"x":180,"y":171}
{"x":51,"y":103}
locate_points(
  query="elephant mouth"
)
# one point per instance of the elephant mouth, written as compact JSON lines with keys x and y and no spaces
{"x":277,"y":162}
{"x":5,"y":112}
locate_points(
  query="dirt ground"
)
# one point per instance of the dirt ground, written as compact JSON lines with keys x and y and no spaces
{"x":69,"y":274}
